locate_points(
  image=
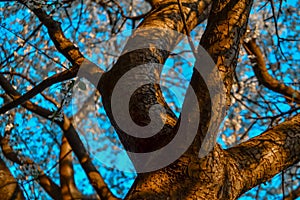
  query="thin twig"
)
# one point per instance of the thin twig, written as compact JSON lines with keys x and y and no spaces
{"x":186,"y":30}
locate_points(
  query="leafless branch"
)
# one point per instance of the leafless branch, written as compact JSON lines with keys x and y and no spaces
{"x":73,"y":138}
{"x":262,"y":74}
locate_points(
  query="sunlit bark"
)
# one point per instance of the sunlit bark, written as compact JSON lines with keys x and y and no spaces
{"x":9,"y":188}
{"x":226,"y":24}
{"x":222,"y":174}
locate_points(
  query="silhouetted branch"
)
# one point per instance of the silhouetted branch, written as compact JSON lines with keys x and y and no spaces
{"x":45,"y":182}
{"x":73,"y":138}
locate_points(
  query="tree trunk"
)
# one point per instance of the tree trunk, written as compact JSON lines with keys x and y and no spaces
{"x":223,"y":174}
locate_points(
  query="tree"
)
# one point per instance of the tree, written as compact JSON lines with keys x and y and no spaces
{"x":47,"y":44}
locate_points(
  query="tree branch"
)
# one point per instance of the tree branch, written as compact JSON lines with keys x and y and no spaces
{"x":68,"y":49}
{"x":18,"y":100}
{"x":262,"y":74}
{"x":226,"y":25}
{"x":162,"y":24}
{"x":259,"y":159}
{"x":66,"y":171}
{"x":63,"y":45}
{"x":73,"y":138}
{"x":48,"y":98}
{"x":46,"y":183}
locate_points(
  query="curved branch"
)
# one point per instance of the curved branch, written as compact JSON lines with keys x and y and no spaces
{"x":73,"y":138}
{"x":45,"y":182}
{"x":262,"y":74}
{"x":152,"y":42}
{"x":259,"y":159}
{"x":227,"y":174}
{"x":226,"y":25}
{"x":18,"y":100}
{"x":62,"y":44}
{"x":48,"y":98}
{"x":65,"y":47}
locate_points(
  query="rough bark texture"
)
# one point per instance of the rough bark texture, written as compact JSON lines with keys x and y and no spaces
{"x":9,"y":188}
{"x":165,"y":15}
{"x":225,"y":174}
{"x":222,"y":174}
{"x":226,"y":25}
{"x":260,"y":158}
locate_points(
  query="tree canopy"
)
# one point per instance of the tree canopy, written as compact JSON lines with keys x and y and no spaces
{"x":154,"y":99}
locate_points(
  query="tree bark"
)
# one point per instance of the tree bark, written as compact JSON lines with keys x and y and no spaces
{"x":9,"y":188}
{"x":225,"y":174}
{"x":222,"y":174}
{"x":226,"y":25}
